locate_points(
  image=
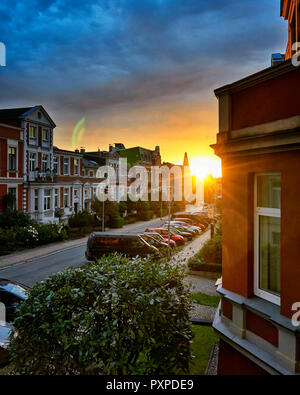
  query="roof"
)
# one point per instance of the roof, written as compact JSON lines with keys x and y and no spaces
{"x":90,"y":163}
{"x":21,"y":113}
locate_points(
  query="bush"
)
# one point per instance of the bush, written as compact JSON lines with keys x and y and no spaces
{"x":145,"y":215}
{"x":120,"y":316}
{"x":81,"y":219}
{"x":11,"y":219}
{"x":49,"y":233}
{"x":116,"y":222}
{"x":198,"y":265}
{"x":211,"y":252}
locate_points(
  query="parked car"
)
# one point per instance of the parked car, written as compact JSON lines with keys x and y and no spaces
{"x":190,"y":221}
{"x":183,"y":230}
{"x":12,"y":294}
{"x":131,"y":245}
{"x":161,"y":240}
{"x":4,"y":343}
{"x":189,"y":227}
{"x":154,"y":242}
{"x":179,"y":240}
{"x":197,"y":216}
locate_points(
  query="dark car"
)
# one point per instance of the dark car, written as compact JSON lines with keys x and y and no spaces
{"x":131,"y":245}
{"x":4,"y":343}
{"x":11,"y":295}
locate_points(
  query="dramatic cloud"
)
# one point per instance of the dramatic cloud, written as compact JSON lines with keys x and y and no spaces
{"x":140,"y":71}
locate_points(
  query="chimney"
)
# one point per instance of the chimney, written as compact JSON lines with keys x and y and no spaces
{"x":82,"y":150}
{"x":110,"y":147}
{"x":77,"y":151}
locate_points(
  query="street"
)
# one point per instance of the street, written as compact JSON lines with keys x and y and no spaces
{"x":39,"y":269}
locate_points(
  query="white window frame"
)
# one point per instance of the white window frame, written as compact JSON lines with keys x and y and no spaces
{"x":16,"y":158}
{"x":68,"y":203}
{"x":32,"y":161}
{"x":44,"y":170}
{"x":15,"y":187}
{"x":48,"y":197}
{"x":47,"y":133}
{"x":76,"y":167}
{"x":56,"y":162}
{"x":33,"y":140}
{"x":56,"y":198}
{"x":266,"y":212}
{"x":66,"y":158}
{"x":36,"y":199}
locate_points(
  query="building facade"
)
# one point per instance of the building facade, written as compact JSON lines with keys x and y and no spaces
{"x":259,"y":144}
{"x":11,"y":165}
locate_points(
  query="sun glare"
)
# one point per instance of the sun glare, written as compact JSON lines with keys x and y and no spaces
{"x":203,"y":166}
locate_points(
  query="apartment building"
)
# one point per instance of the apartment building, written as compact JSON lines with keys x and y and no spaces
{"x":259,"y":144}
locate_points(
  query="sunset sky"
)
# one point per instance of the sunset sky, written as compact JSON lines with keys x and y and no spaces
{"x":140,"y":72}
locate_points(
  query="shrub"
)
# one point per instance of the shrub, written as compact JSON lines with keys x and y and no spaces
{"x":120,"y":316}
{"x":83,"y":218}
{"x":11,"y":219}
{"x":49,"y":233}
{"x":199,"y":265}
{"x":145,"y":215}
{"x":116,"y":222}
{"x":211,"y":252}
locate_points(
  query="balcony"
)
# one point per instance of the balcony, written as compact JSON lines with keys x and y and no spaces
{"x":37,"y":176}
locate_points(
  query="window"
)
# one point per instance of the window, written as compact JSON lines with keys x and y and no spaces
{"x":66,"y":197}
{"x":267,"y":236}
{"x":12,"y":158}
{"x":13,"y":192}
{"x":44,"y":163}
{"x":32,"y":134}
{"x":32,"y":161}
{"x":56,"y":164}
{"x":45,"y":135}
{"x":36,"y":200}
{"x":47,"y":199}
{"x":56,"y":197}
{"x":76,"y":167}
{"x":66,"y":166}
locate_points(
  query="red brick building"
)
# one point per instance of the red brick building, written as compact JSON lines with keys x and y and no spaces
{"x":259,"y":143}
{"x":11,"y":164}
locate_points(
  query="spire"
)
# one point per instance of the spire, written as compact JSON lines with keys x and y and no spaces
{"x":186,"y":162}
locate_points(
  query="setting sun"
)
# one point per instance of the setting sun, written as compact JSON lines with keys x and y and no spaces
{"x":203,"y":166}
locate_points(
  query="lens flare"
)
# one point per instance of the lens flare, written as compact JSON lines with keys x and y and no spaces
{"x":78,"y":133}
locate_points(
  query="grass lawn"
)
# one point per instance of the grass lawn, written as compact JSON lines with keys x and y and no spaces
{"x":204,"y":339}
{"x":206,"y":300}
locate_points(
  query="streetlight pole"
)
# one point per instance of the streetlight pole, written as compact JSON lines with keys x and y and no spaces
{"x":103,"y":217}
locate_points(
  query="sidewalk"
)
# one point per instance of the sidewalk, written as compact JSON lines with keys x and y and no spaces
{"x":37,"y":252}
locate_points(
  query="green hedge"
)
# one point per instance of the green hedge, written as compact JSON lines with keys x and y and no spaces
{"x":118,"y":316}
{"x":115,"y":221}
{"x":145,"y":215}
{"x":197,"y":265}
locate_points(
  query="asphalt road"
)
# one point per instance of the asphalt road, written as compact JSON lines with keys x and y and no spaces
{"x":39,"y":269}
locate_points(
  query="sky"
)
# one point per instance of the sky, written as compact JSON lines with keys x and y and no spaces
{"x":137,"y":72}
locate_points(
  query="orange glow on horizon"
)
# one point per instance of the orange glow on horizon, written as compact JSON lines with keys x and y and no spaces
{"x":205,"y":165}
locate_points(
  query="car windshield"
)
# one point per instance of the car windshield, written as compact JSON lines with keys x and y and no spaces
{"x":14,"y":289}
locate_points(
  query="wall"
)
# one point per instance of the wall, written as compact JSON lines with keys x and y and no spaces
{"x":238,"y":216}
{"x":268,"y":101}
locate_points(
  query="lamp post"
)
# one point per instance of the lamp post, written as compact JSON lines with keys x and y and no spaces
{"x":103,"y":217}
